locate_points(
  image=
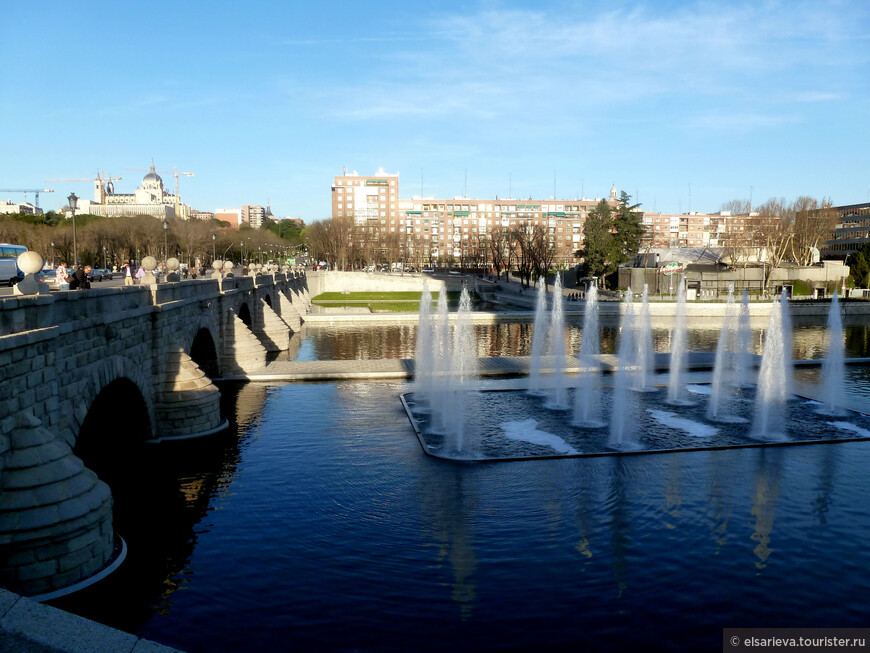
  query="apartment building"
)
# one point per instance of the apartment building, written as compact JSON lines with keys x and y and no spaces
{"x":432,"y":230}
{"x":233,"y":216}
{"x":695,"y":229}
{"x":253,"y":214}
{"x":852,"y":231}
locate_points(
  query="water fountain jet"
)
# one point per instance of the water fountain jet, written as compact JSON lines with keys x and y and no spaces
{"x":587,"y":395}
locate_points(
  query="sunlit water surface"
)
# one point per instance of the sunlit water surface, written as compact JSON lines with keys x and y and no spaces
{"x":317,"y":523}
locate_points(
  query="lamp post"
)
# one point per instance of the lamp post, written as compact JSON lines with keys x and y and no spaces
{"x":104,"y":257}
{"x":52,"y":253}
{"x":213,"y":251}
{"x":165,"y":246}
{"x":242,"y":243}
{"x":73,"y":205}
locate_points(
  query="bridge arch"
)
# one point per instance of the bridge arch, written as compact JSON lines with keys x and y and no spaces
{"x":105,"y":373}
{"x":117,"y":420}
{"x":203,"y":352}
{"x":244,"y":314}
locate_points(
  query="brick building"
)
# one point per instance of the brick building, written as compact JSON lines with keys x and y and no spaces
{"x":440,"y":231}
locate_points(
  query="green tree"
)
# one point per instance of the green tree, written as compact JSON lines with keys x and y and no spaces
{"x":859,"y":265}
{"x":627,"y":231}
{"x":597,"y":240}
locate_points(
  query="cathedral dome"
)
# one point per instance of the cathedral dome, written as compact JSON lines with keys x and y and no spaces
{"x":152,"y":177}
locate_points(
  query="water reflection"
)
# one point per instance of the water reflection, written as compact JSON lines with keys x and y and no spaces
{"x":719,"y":510}
{"x":764,"y":499}
{"x":324,"y":527}
{"x":619,"y":520}
{"x":514,"y":339}
{"x":162,"y":503}
{"x":445,"y":493}
{"x":825,"y":484}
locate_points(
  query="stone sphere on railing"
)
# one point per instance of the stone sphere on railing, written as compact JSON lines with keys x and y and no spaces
{"x":30,"y":262}
{"x":173,"y":263}
{"x":228,"y":266}
{"x":149,"y":263}
{"x":217,"y":264}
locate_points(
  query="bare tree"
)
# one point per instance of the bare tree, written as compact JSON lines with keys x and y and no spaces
{"x":524,"y":248}
{"x":737,"y":207}
{"x":773,"y":228}
{"x":500,"y":249}
{"x":813,"y":222}
{"x":543,"y":251}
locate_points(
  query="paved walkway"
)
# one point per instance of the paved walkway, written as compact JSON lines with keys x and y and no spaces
{"x":492,"y":366}
{"x":403,"y":368}
{"x":30,"y":627}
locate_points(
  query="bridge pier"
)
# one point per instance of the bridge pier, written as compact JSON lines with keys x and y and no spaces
{"x":55,"y":515}
{"x":272,"y":332}
{"x":289,"y":312}
{"x":187,"y":402}
{"x":241,"y":351}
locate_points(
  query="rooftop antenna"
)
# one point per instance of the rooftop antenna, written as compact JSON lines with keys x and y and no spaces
{"x":750,"y":199}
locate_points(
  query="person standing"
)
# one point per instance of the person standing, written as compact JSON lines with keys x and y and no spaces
{"x":61,"y":276}
{"x":128,"y":275}
{"x":140,"y":273}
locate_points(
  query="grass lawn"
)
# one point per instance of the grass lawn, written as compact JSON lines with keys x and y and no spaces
{"x":385,"y":302}
{"x":372,"y":296}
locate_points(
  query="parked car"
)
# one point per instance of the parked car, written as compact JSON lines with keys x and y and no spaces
{"x":100,"y":274}
{"x":48,"y":275}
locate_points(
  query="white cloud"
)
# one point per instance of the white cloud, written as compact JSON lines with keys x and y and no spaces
{"x":496,"y":63}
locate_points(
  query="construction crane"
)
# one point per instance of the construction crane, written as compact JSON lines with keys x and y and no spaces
{"x":99,"y":184}
{"x":168,"y":172}
{"x":35,"y":191}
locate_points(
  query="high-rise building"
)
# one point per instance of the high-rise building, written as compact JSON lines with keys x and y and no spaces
{"x":253,"y":214}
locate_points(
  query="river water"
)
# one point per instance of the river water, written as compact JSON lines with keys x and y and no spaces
{"x":317,"y":523}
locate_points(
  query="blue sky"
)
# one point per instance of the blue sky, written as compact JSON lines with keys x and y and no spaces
{"x":684,"y":105}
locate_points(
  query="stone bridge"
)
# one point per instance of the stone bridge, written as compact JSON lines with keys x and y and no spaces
{"x":91,"y":373}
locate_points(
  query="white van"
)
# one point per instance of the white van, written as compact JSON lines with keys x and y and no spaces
{"x":9,"y":272}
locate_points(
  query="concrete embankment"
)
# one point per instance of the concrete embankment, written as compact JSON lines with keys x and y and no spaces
{"x":30,"y":627}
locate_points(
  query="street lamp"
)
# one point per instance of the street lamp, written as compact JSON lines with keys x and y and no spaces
{"x":165,"y":246}
{"x":52,"y":253}
{"x":213,"y":251}
{"x":73,"y":205}
{"x":104,"y":257}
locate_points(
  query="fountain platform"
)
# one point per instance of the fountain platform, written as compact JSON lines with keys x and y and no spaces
{"x":508,"y":424}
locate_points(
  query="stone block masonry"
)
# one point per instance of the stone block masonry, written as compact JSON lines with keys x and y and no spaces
{"x":66,"y":356}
